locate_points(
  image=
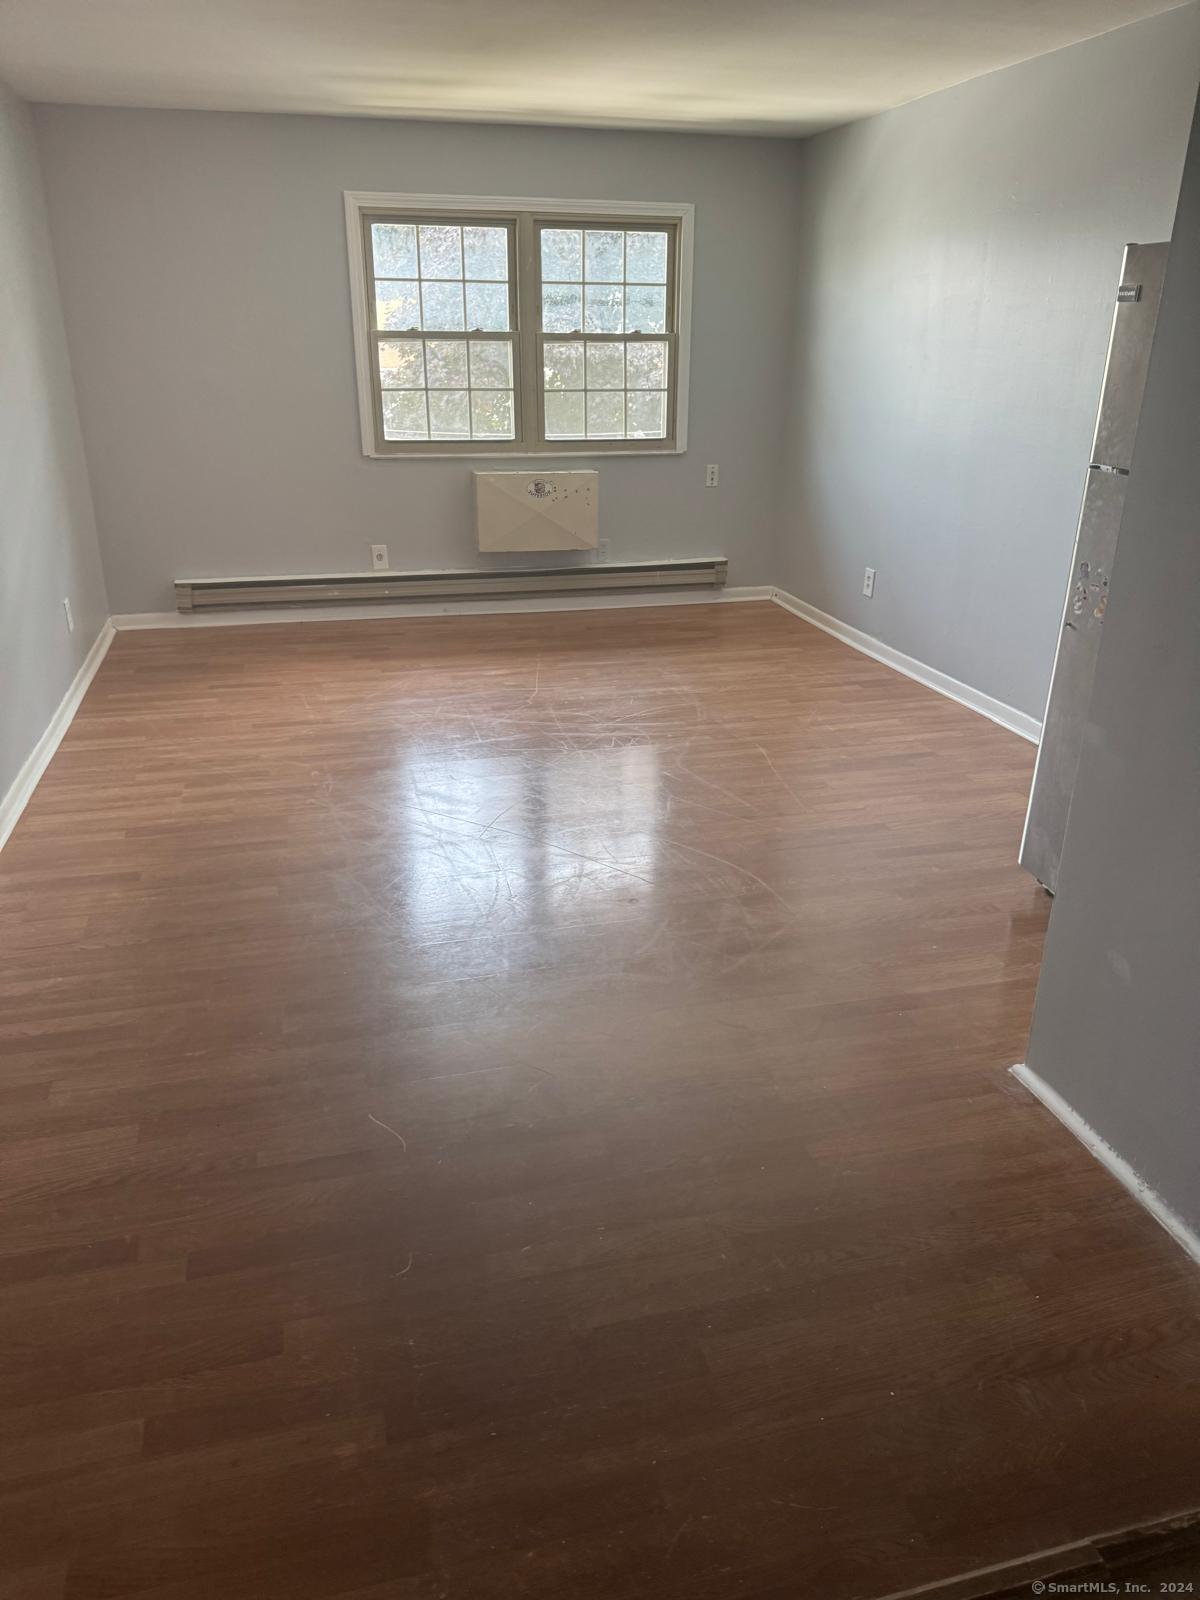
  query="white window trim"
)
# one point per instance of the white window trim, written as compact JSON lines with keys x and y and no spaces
{"x":357,"y":201}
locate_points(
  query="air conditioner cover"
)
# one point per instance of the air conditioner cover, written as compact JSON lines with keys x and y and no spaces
{"x":536,"y":510}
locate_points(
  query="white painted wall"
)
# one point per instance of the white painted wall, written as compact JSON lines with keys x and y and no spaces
{"x":48,"y":547}
{"x":957,"y":268}
{"x":203,"y":261}
{"x":1116,"y":1029}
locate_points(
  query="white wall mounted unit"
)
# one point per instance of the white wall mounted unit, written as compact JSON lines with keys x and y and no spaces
{"x":536,"y":510}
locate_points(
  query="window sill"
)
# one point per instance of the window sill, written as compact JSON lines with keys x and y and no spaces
{"x":516,"y":457}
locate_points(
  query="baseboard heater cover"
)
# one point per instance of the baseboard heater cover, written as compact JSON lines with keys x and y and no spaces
{"x":198,"y":594}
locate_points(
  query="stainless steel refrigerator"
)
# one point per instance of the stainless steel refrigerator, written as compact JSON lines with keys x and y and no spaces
{"x":1136,"y":312}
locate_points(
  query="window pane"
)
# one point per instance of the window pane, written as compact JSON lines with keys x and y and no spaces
{"x":491,"y":365}
{"x":646,"y":414}
{"x":394,"y":248}
{"x":401,"y":364}
{"x":449,"y":414}
{"x":492,"y":413}
{"x":564,"y":366}
{"x":562,"y":310}
{"x":404,"y":414}
{"x":396,"y":304}
{"x":564,"y":415}
{"x":562,"y":255}
{"x":485,"y":253}
{"x":646,"y":365}
{"x":605,"y":307}
{"x":646,"y":257}
{"x":441,"y":250}
{"x":487,"y":307}
{"x":606,"y":416}
{"x":605,"y":255}
{"x":605,"y":366}
{"x":442,"y":304}
{"x":598,"y":286}
{"x":645,"y":309}
{"x":446,"y":363}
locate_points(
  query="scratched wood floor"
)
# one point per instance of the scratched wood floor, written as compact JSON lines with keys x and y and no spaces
{"x":502,"y":1107}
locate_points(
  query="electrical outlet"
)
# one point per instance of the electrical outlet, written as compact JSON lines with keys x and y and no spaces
{"x":379,"y":557}
{"x":869,"y":582}
{"x":712,"y":476}
{"x":70,"y":615}
{"x":601,"y":549}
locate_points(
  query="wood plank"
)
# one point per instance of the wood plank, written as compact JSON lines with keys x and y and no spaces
{"x":517,"y":1106}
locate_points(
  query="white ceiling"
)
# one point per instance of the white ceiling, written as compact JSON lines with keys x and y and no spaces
{"x":769,"y":66}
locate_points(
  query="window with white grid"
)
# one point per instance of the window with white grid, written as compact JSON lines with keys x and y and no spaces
{"x":512,"y":330}
{"x":444,"y":320}
{"x":612,"y":286}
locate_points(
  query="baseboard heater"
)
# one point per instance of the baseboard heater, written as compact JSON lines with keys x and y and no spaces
{"x":199,"y":594}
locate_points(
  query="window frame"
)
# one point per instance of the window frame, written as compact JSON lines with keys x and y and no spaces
{"x":526,"y":216}
{"x":377,"y":336}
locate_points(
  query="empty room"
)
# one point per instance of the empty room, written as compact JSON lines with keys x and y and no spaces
{"x":599,"y":800}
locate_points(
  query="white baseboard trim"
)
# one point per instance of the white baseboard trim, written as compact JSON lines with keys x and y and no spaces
{"x":398,"y":610}
{"x":1141,"y":1191}
{"x":38,"y":759}
{"x":1007,"y":716}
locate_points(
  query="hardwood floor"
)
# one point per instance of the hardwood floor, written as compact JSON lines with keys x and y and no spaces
{"x":517,"y":1106}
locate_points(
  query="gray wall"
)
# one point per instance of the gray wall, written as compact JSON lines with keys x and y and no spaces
{"x":958,"y":262}
{"x":1116,"y":1029}
{"x":204,"y":275}
{"x":47,"y":532}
